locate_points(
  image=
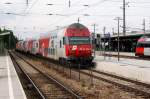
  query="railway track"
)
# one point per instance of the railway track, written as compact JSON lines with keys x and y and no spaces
{"x":139,"y":88}
{"x":129,"y":85}
{"x":46,"y":86}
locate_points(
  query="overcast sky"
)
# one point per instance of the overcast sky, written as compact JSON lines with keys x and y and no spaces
{"x":33,"y":20}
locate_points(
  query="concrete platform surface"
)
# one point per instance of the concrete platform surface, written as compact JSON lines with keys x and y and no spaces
{"x":10,"y":86}
{"x":115,"y":53}
{"x":130,"y":68}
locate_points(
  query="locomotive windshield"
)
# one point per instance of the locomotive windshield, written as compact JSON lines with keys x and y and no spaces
{"x":144,"y":41}
{"x":79,"y":40}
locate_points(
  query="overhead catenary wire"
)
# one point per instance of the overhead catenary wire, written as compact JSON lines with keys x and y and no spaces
{"x":32,"y":5}
{"x":76,"y":13}
{"x":80,"y":10}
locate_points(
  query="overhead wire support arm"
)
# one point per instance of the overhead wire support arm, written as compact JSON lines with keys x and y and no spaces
{"x":78,"y":20}
{"x":69,"y":3}
{"x":124,"y":16}
{"x":27,"y":2}
{"x":144,"y":31}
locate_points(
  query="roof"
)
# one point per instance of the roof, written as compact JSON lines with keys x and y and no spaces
{"x":76,"y":25}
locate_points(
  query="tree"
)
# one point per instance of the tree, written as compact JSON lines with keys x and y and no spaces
{"x":9,"y":40}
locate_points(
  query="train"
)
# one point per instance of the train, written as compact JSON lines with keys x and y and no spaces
{"x":70,"y":44}
{"x":143,"y":46}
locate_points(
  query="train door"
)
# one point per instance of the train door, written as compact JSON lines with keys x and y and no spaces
{"x":147,"y":49}
{"x":55,"y":48}
{"x":59,"y":48}
{"x":64,"y":42}
{"x":35,"y":49}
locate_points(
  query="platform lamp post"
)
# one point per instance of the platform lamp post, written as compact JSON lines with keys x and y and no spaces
{"x":93,"y":37}
{"x":109,"y":37}
{"x":104,"y":32}
{"x":118,"y":20}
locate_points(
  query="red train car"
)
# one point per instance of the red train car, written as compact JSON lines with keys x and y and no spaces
{"x":72,"y":43}
{"x":143,"y":46}
{"x":43,"y":46}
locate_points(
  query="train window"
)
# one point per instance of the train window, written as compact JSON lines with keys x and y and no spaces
{"x":64,"y":40}
{"x":143,"y":45}
{"x":51,"y":51}
{"x":147,"y":45}
{"x":60,"y":44}
{"x":140,"y":45}
{"x":36,"y":45}
{"x":48,"y":50}
{"x":52,"y":43}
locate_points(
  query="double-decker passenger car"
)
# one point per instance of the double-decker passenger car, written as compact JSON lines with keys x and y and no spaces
{"x":72,"y":43}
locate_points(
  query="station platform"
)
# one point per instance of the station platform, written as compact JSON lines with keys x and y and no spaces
{"x":10,"y":86}
{"x":130,"y":68}
{"x":115,"y":53}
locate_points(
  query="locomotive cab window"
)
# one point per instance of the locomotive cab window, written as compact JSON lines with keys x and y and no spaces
{"x":147,"y":45}
{"x":79,"y":40}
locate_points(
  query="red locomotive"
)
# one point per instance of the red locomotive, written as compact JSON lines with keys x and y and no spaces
{"x":72,"y":43}
{"x":143,"y":46}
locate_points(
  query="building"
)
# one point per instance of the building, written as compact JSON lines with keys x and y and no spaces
{"x":126,"y":43}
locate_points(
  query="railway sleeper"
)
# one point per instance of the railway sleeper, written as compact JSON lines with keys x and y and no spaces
{"x":58,"y":96}
{"x":55,"y":92}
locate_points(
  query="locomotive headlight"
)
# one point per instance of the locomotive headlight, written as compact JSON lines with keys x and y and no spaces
{"x":80,"y":49}
{"x":74,"y":47}
{"x":87,"y":49}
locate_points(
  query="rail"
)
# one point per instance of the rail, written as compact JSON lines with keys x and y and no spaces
{"x":28,"y":77}
{"x":129,"y":85}
{"x":53,"y":79}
